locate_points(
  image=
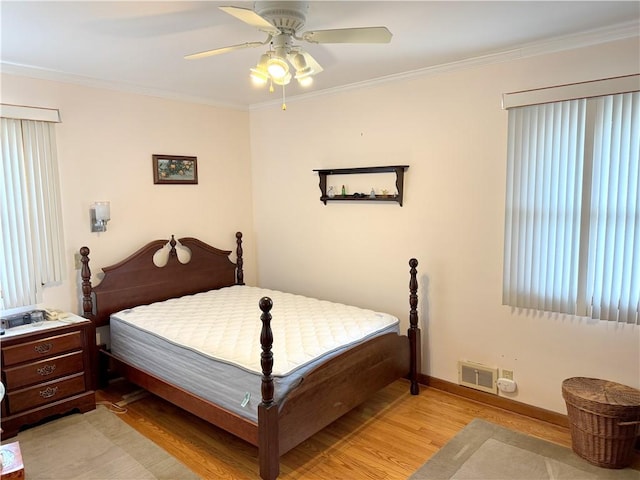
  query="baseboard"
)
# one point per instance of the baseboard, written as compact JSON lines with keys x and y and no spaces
{"x":496,"y":401}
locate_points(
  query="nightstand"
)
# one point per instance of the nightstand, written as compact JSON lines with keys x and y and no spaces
{"x":47,"y":369}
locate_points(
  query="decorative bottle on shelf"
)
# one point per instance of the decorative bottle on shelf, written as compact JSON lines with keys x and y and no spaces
{"x":331,"y":192}
{"x":372,"y":194}
{"x":344,"y":191}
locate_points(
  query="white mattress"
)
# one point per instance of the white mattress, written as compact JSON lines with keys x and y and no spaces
{"x":209,"y":343}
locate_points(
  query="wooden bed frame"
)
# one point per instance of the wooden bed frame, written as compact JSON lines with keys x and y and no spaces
{"x":327,"y":392}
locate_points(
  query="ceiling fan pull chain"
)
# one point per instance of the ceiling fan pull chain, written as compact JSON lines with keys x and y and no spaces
{"x":284,"y":105}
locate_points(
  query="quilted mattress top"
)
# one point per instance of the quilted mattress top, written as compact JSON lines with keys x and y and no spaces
{"x":225,"y":325}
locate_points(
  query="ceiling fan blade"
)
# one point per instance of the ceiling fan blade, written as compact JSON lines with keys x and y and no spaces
{"x":250,"y":17}
{"x":349,"y":35}
{"x":218,"y":51}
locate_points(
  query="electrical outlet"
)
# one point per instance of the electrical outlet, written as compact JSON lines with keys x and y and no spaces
{"x":508,"y":374}
{"x":77,"y":257}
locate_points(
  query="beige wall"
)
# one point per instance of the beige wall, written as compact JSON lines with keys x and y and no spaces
{"x":449,"y":127}
{"x":105,"y":143}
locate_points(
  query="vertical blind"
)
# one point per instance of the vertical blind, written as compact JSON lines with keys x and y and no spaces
{"x":31,"y":240}
{"x":613,"y":264}
{"x":572,"y":223}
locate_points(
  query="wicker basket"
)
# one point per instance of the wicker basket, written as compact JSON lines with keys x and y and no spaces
{"x":604,"y":419}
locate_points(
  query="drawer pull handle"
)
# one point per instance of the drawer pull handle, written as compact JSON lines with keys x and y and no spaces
{"x":48,"y":392}
{"x":46,"y":370}
{"x":43,"y":348}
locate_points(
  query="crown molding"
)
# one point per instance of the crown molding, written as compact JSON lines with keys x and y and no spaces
{"x":57,"y":76}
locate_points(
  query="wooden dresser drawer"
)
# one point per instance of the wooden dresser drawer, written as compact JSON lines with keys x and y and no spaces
{"x":43,"y":370}
{"x":44,"y":393}
{"x":46,"y":347}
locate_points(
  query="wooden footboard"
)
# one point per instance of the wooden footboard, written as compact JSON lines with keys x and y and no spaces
{"x":326,"y":393}
{"x":334,"y":388}
{"x":339,"y":386}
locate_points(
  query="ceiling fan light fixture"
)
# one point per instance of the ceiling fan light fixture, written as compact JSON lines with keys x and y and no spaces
{"x":298,"y":61}
{"x":303,"y":70}
{"x":259,"y":76}
{"x":277,"y":68}
{"x":304,"y":73}
{"x":305,"y":81}
{"x":282,"y":80}
{"x":263,"y":62}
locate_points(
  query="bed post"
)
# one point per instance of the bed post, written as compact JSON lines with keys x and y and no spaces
{"x":239,"y":262}
{"x":85,"y":273}
{"x":414,"y":331}
{"x":87,"y":312}
{"x":268,"y":445}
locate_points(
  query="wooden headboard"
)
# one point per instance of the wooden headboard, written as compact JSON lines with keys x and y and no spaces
{"x":137,"y":280}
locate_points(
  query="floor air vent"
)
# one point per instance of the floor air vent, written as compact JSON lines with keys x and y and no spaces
{"x":478,"y":376}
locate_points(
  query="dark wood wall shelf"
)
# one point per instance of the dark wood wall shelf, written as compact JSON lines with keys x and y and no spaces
{"x":398,"y":169}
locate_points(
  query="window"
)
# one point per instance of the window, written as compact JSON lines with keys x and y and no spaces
{"x":572,"y":223}
{"x":31,"y":235}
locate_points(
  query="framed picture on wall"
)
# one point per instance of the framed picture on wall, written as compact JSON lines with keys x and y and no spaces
{"x":175,"y":169}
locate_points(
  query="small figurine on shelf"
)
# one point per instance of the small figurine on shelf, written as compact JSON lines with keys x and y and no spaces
{"x":372,"y":194}
{"x":331,"y":192}
{"x":385,"y":192}
{"x":344,"y":191}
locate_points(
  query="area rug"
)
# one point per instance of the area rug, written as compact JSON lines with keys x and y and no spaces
{"x":95,"y":446}
{"x":485,"y":451}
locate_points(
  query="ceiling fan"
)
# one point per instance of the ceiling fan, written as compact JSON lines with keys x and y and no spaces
{"x":282,"y":22}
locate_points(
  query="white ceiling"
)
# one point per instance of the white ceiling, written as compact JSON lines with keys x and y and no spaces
{"x":139,"y":46}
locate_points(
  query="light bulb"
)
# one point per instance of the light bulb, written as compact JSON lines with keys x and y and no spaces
{"x":305,"y":81}
{"x":277,"y":67}
{"x":283,"y":80}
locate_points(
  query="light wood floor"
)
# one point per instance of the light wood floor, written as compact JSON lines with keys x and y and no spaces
{"x":388,"y":437}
